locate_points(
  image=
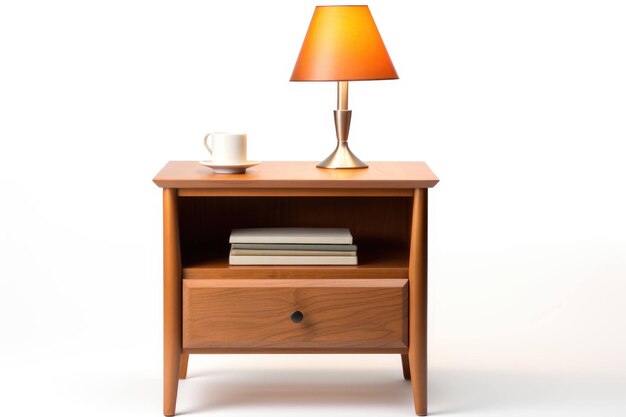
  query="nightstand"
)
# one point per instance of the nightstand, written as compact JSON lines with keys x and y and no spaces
{"x":378,"y":306}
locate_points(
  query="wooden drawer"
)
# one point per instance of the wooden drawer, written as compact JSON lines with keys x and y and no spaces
{"x":256,"y":313}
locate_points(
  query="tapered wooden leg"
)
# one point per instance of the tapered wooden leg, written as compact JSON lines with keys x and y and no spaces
{"x":184,"y":361}
{"x":405,"y":366}
{"x":172,"y":326}
{"x":418,"y":297}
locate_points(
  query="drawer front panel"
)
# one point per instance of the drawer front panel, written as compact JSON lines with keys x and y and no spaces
{"x":257,"y":313}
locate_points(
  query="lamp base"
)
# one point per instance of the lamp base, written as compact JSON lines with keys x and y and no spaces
{"x":342,"y":158}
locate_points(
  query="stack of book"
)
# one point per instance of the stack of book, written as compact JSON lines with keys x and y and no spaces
{"x":292,"y":246}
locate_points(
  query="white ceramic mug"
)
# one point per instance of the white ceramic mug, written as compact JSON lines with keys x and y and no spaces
{"x":227,"y":148}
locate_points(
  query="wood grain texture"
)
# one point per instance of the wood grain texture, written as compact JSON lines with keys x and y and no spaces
{"x":172,"y":323}
{"x":382,"y":222}
{"x":349,"y":313}
{"x":300,"y":174}
{"x":418,"y":297}
{"x":294,"y":192}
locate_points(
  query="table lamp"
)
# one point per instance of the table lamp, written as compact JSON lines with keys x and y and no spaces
{"x":343,"y":44}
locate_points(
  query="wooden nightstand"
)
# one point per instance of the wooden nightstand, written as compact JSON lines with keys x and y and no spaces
{"x":378,"y":306}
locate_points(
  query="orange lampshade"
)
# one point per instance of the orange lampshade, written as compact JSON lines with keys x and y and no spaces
{"x":343,"y":44}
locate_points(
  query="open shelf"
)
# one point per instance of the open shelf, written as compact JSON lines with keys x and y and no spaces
{"x":379,"y":225}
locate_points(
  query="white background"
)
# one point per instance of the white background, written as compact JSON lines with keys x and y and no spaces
{"x":518,"y":106}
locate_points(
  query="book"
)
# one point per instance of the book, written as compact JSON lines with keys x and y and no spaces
{"x":292,"y":260}
{"x":294,"y":246}
{"x":318,"y":235}
{"x":289,"y":252}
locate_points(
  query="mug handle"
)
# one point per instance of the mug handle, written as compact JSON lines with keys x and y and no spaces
{"x":206,"y":144}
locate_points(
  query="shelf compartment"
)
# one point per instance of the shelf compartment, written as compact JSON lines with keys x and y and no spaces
{"x":379,"y":225}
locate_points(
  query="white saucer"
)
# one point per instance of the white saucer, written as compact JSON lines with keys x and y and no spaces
{"x":230,"y":168}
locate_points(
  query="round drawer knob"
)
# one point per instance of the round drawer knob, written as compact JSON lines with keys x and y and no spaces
{"x":297,"y":316}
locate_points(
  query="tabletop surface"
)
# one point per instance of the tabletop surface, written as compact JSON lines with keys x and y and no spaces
{"x":296,"y":174}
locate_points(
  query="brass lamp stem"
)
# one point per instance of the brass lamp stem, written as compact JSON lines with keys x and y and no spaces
{"x":342,"y":156}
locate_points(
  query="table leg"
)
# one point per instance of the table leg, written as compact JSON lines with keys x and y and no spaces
{"x":172,"y":298}
{"x":184,"y":361}
{"x":418,"y":297}
{"x":406,"y":371}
